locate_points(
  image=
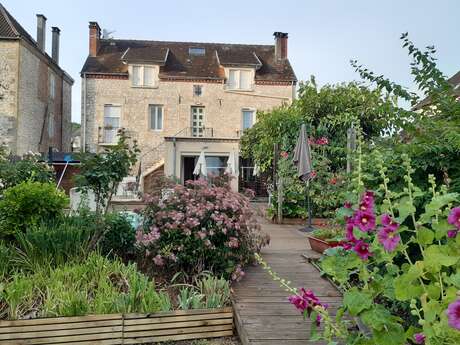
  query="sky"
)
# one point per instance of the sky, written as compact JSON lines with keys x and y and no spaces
{"x":323,"y":35}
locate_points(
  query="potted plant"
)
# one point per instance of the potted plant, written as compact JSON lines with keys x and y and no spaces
{"x":324,"y":238}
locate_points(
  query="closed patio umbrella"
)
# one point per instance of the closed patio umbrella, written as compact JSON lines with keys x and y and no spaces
{"x":200,"y":167}
{"x":231,"y":168}
{"x":302,"y":160}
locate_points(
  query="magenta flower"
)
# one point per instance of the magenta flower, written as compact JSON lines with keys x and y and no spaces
{"x":388,"y":238}
{"x":362,"y":249}
{"x":452,"y":233}
{"x":322,"y":141}
{"x":388,"y":222}
{"x":453,"y":314}
{"x":367,"y":201}
{"x":347,"y":204}
{"x":454,"y":217}
{"x":364,"y":220}
{"x":419,"y":338}
{"x":305,"y":301}
{"x":349,"y":232}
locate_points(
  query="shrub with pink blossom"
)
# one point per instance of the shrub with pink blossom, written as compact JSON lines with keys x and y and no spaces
{"x":199,"y":228}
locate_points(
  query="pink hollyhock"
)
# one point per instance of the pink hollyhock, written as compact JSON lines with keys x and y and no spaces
{"x":419,"y":338}
{"x":284,"y":154}
{"x":305,"y":300}
{"x":364,"y":220}
{"x":347,"y":245}
{"x":454,"y":217}
{"x":453,"y":314}
{"x":388,"y":238}
{"x":322,"y":141}
{"x":388,"y":222}
{"x":349,"y":232}
{"x":452,"y":233}
{"x":367,"y":201}
{"x":362,"y":249}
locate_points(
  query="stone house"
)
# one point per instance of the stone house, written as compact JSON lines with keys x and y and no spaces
{"x":178,"y":99}
{"x":35,"y":93}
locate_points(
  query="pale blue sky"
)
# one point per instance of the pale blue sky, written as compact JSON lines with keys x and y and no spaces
{"x":323,"y":35}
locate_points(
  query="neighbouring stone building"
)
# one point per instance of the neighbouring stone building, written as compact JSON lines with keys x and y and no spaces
{"x":180,"y":98}
{"x":35,"y":93}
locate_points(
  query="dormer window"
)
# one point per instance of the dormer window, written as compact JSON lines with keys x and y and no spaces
{"x":196,"y":51}
{"x":144,"y":76}
{"x":240,"y":79}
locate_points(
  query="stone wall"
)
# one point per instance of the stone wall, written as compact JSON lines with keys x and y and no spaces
{"x":8,"y":92}
{"x":223,"y":109}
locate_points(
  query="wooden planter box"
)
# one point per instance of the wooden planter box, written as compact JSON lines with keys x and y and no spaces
{"x":119,"y":328}
{"x":319,"y":245}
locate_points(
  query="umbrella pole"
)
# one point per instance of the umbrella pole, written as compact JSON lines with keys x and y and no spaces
{"x":309,"y":227}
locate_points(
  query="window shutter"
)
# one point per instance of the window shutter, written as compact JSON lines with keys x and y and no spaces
{"x":137,"y":76}
{"x":233,"y":79}
{"x":245,"y":80}
{"x":149,"y":76}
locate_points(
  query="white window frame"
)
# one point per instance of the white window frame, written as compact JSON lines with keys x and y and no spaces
{"x":238,"y":79}
{"x":254,"y":116}
{"x":156,"y":106}
{"x":52,"y":85}
{"x":115,"y":137}
{"x":142,"y":75}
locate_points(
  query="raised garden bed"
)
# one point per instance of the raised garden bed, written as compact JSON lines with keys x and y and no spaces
{"x":120,"y":328}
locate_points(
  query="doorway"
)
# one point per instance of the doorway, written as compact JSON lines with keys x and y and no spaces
{"x":188,"y":165}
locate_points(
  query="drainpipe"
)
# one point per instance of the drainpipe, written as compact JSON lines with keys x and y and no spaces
{"x":174,"y":158}
{"x":83,"y":125}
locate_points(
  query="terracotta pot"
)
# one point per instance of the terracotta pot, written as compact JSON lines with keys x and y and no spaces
{"x":319,"y":245}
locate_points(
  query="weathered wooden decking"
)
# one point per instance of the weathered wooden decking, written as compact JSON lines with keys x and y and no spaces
{"x":263,"y":314}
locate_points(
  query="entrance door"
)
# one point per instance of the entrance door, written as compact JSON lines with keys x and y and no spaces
{"x":197,"y":121}
{"x":188,"y":165}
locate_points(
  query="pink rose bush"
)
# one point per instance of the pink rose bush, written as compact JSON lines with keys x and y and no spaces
{"x":198,"y":228}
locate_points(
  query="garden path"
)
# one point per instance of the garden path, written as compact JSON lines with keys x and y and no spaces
{"x":263,"y":315}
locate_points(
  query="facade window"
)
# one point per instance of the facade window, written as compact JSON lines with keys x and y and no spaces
{"x":144,"y":76}
{"x":197,"y":121}
{"x":51,"y":125}
{"x":196,"y":51}
{"x":112,"y":115}
{"x":156,"y":117}
{"x":248,"y":118}
{"x":197,"y":90}
{"x":239,"y":79}
{"x":52,"y":86}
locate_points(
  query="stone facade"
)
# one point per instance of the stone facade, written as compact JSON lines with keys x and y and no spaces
{"x":28,"y":108}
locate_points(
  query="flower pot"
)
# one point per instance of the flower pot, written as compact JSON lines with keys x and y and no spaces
{"x":319,"y":245}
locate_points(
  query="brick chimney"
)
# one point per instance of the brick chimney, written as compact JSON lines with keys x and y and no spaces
{"x":281,"y":45}
{"x":41,"y":31}
{"x":55,"y":44}
{"x":94,"y":36}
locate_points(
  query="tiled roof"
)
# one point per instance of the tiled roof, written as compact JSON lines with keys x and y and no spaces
{"x":454,"y":81}
{"x":180,"y":64}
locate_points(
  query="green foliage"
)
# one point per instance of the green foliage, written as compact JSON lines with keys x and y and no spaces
{"x":28,"y":204}
{"x":98,"y":286}
{"x":119,"y":237}
{"x":329,"y":233}
{"x":28,"y":168}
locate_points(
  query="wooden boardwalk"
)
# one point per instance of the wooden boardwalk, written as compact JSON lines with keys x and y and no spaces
{"x":263,"y":314}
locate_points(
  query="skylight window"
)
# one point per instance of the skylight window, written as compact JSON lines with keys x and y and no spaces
{"x":196,"y":51}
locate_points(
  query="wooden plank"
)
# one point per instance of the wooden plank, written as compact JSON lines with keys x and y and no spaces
{"x":55,"y":320}
{"x":179,"y":337}
{"x":176,"y":331}
{"x":179,"y":313}
{"x":183,"y":324}
{"x":59,"y":333}
{"x":58,"y":340}
{"x":58,"y":326}
{"x":153,"y":320}
{"x":97,"y":342}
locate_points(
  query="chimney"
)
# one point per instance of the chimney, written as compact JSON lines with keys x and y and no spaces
{"x":281,"y":45}
{"x":55,"y":44}
{"x":94,"y":36}
{"x":41,"y":31}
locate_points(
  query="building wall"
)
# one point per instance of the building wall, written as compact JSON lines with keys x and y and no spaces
{"x":9,"y":51}
{"x":223,"y":109}
{"x":67,"y":117}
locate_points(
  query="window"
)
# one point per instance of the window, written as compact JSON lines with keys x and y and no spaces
{"x":197,"y":90}
{"x":239,"y":79}
{"x":50,"y":125}
{"x":156,"y":117}
{"x":112,"y":114}
{"x":52,"y":86}
{"x":248,"y":118}
{"x":196,"y":51}
{"x":144,"y":76}
{"x":197,"y":121}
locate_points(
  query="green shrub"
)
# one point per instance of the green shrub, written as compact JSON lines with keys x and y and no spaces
{"x":6,"y":260}
{"x":28,"y":204}
{"x":119,"y":237}
{"x":96,"y":286}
